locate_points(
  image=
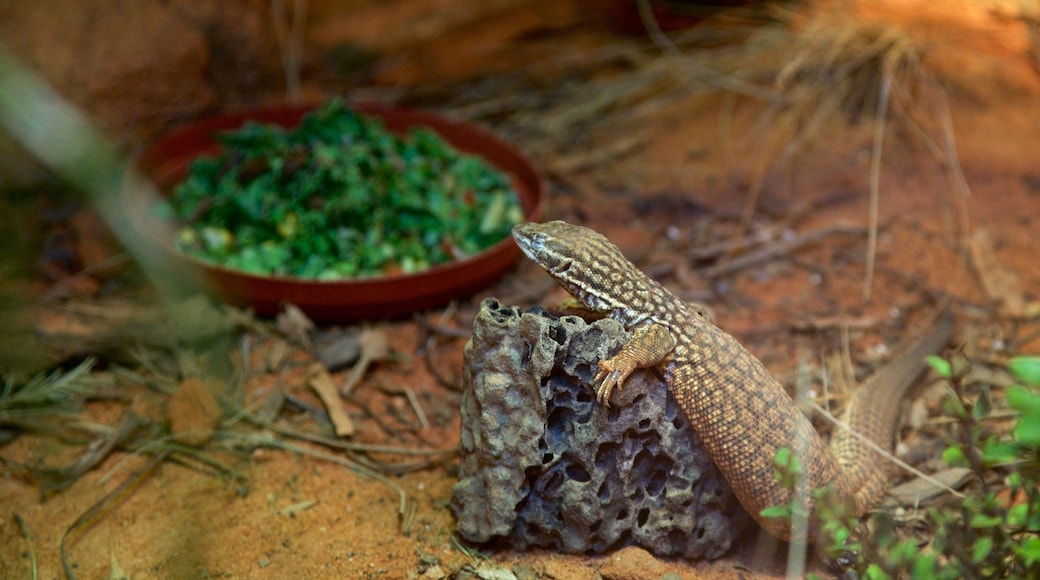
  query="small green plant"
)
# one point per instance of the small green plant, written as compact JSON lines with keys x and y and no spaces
{"x":835,"y":535}
{"x":992,"y":534}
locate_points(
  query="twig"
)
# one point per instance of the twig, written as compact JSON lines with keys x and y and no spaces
{"x":347,"y":445}
{"x":899,"y":462}
{"x":776,"y":249}
{"x":416,"y":407}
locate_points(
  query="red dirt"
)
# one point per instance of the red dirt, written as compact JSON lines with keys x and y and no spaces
{"x":180,"y":523}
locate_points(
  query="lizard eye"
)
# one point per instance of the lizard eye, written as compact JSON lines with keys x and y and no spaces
{"x":538,"y":242}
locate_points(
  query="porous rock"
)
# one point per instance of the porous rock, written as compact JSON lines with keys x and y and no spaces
{"x":542,"y":464}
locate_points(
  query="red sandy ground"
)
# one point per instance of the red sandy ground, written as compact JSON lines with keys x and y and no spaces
{"x":182,"y":524}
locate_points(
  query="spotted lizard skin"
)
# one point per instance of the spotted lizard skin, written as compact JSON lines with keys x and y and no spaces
{"x":741,"y":413}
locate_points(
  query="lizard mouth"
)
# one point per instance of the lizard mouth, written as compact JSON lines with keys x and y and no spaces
{"x":563,"y":267}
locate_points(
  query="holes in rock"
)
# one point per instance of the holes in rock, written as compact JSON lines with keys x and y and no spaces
{"x":525,"y":355}
{"x":552,"y":483}
{"x":603,"y":493}
{"x":584,"y":416}
{"x":521,"y":505}
{"x":624,"y":539}
{"x":557,"y":334}
{"x":606,"y":456}
{"x":677,"y":540}
{"x":547,"y":458}
{"x":559,"y":422}
{"x":651,"y":471}
{"x":642,"y":517}
{"x":578,"y":473}
{"x":582,"y":370}
{"x":644,"y":424}
{"x":657,"y":481}
{"x":531,"y":473}
{"x":622,"y":515}
{"x":585,"y":396}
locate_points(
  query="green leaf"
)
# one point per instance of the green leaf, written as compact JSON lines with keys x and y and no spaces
{"x":940,"y":365}
{"x":776,"y":511}
{"x":924,"y":567}
{"x":954,"y":456}
{"x":984,"y":521}
{"x":996,"y":453}
{"x":1026,"y":369}
{"x":1024,"y":400}
{"x":903,"y":553}
{"x":1029,"y":550}
{"x":953,"y":407}
{"x":983,"y":405}
{"x":1027,"y":430}
{"x":875,"y":572}
{"x":1016,"y":516}
{"x":981,"y":550}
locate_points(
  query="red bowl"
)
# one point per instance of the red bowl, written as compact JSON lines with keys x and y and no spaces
{"x":167,"y":160}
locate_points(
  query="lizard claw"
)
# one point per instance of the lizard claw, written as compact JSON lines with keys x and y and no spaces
{"x":611,"y":374}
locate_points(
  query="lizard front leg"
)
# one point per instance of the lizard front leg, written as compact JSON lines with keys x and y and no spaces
{"x":648,"y":346}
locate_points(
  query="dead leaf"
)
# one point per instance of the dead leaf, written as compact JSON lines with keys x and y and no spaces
{"x":263,"y":395}
{"x":337,"y":349}
{"x":322,"y":384}
{"x":193,"y":411}
{"x":374,"y":347}
{"x":295,"y":325}
{"x":915,"y":491}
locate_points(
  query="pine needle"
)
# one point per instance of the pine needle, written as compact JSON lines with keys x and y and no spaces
{"x":47,"y":395}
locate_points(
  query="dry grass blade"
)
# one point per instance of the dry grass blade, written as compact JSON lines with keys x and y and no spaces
{"x":831,"y":70}
{"x":60,"y":479}
{"x":98,"y":510}
{"x":24,"y":529}
{"x":266,"y":441}
{"x":704,"y":75}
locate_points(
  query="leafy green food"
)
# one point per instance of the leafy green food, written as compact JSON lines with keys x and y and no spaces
{"x":339,"y":197}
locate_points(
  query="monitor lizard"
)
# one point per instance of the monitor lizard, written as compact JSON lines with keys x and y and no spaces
{"x":741,"y":413}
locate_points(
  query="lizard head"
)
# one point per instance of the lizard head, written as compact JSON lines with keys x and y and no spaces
{"x":581,"y":260}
